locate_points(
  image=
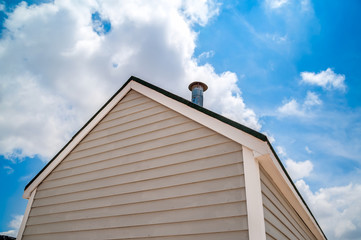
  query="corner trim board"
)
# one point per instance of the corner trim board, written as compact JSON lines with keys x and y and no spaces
{"x":26,"y":215}
{"x":255,"y":215}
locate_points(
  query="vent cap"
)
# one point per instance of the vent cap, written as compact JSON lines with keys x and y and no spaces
{"x":197,"y":89}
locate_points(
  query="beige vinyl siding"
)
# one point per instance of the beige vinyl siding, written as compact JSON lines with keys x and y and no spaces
{"x":144,"y":172}
{"x":281,"y":220}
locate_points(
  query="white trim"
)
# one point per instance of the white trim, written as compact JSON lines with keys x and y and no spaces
{"x":274,"y":169}
{"x":26,"y":215}
{"x":255,"y":216}
{"x":74,"y":142}
{"x":223,"y":128}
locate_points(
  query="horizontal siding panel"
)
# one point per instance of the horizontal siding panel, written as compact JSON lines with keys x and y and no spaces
{"x":129,"y":104}
{"x":283,"y":217}
{"x":288,"y":215}
{"x":204,"y":187}
{"x":274,"y":232}
{"x":150,"y":127}
{"x":142,"y":146}
{"x":162,"y":217}
{"x":230,"y":235}
{"x":288,"y":211}
{"x":136,"y":173}
{"x":277,"y":223}
{"x":152,"y":150}
{"x":135,"y":162}
{"x":45,"y":197}
{"x":269,"y":237}
{"x":130,"y":97}
{"x":144,"y":110}
{"x":143,"y":207}
{"x":181,"y":228}
{"x":158,"y":137}
{"x":134,"y":103}
{"x":236,"y":235}
{"x":130,"y":125}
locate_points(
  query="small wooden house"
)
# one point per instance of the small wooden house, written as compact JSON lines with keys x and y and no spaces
{"x":152,"y":165}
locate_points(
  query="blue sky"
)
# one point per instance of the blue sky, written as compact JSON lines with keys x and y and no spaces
{"x":287,"y":68}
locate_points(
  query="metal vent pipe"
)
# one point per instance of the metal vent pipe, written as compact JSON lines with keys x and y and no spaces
{"x":197,"y":89}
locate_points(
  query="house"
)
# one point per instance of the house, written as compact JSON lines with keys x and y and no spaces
{"x":152,"y":165}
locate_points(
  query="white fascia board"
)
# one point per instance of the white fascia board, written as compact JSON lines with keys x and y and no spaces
{"x":222,"y":128}
{"x":74,"y":142}
{"x":255,"y":215}
{"x":26,"y":215}
{"x":274,"y":169}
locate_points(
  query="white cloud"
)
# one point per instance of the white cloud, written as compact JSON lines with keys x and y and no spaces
{"x":57,"y":71}
{"x":205,"y":55}
{"x":8,"y":169}
{"x":306,"y":5}
{"x":281,"y":151}
{"x":14,"y":225}
{"x":230,"y":101}
{"x":337,"y":209}
{"x":34,"y":119}
{"x":291,"y":108}
{"x":312,"y":99}
{"x":16,"y":222}
{"x":10,"y":233}
{"x":276,"y":38}
{"x":200,"y":11}
{"x":298,"y":170}
{"x":327,"y":79}
{"x":308,"y":150}
{"x":274,"y":4}
{"x":26,"y":178}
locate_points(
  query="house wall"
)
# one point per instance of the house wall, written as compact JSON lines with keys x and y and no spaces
{"x":144,"y":171}
{"x":281,"y":220}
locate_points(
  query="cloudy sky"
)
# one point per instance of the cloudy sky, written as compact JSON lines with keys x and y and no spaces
{"x":287,"y":68}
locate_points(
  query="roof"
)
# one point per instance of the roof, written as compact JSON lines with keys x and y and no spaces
{"x":259,"y":140}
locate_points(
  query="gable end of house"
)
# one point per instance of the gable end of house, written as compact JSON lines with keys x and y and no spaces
{"x":256,"y":141}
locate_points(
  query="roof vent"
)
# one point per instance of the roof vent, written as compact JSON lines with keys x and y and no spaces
{"x":197,"y":89}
